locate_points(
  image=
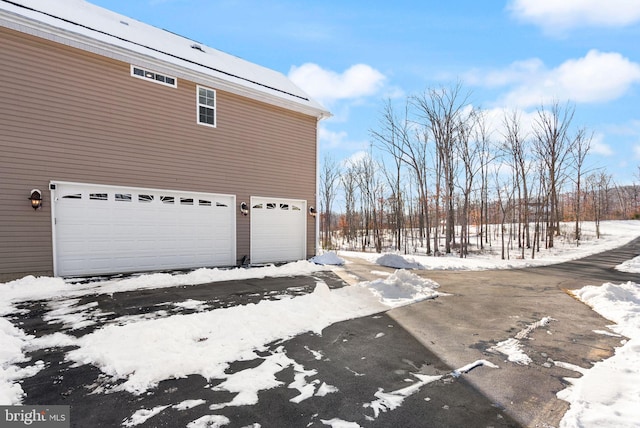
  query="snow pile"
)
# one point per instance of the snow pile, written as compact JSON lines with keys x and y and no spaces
{"x":397,"y":261}
{"x":328,"y":258}
{"x":201,"y":343}
{"x":13,"y":341}
{"x":607,"y":394}
{"x":402,"y":288}
{"x":29,"y":288}
{"x":631,"y":266}
{"x":43,"y":288}
{"x":205,"y":343}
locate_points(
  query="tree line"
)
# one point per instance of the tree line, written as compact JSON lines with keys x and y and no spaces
{"x":449,"y":180}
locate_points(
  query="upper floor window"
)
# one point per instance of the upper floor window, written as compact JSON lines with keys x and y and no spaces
{"x":153,"y":76}
{"x":206,"y":106}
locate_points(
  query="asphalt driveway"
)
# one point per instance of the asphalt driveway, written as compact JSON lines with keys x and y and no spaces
{"x":488,"y":307}
{"x":366,"y":360}
{"x":362,"y":359}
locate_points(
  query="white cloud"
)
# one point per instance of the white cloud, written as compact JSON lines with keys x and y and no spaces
{"x":495,"y":122}
{"x":629,"y":129}
{"x":357,"y":81}
{"x":329,"y":139}
{"x":355,"y":158}
{"x":516,"y":72}
{"x":558,"y":15}
{"x":394,"y":92}
{"x":636,"y":151}
{"x":338,"y":140}
{"x":599,"y":147}
{"x":596,"y":77}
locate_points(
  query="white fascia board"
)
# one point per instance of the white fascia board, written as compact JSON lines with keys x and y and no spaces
{"x":158,"y":61}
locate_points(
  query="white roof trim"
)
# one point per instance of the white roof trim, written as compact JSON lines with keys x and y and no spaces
{"x":99,"y":33}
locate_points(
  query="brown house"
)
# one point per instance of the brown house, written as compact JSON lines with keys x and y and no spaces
{"x":149,"y":151}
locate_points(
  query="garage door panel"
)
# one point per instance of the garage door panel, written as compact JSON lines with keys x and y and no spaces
{"x":278,"y":230}
{"x":106,"y":229}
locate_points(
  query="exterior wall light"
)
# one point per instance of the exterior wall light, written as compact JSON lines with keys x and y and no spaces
{"x":312,"y":211}
{"x":244,"y":209}
{"x":36,"y":199}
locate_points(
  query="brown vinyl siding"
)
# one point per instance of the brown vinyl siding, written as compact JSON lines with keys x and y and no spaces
{"x":69,"y":115}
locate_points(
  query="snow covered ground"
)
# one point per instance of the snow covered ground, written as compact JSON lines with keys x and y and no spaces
{"x":632,"y":266}
{"x":179,"y":345}
{"x":613,"y":235}
{"x":608,"y":394}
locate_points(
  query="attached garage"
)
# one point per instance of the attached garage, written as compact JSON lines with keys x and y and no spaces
{"x":278,"y":229}
{"x":174,"y":140}
{"x":100,"y":229}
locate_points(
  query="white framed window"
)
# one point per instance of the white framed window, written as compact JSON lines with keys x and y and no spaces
{"x":206,"y":106}
{"x":142,"y":73}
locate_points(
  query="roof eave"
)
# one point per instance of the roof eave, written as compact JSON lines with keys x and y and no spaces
{"x":154,"y":59}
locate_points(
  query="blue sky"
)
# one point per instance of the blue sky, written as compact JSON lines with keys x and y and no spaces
{"x":351,"y":56}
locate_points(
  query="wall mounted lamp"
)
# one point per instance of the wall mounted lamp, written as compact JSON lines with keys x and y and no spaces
{"x":312,"y":211}
{"x":244,"y":209}
{"x":36,"y":199}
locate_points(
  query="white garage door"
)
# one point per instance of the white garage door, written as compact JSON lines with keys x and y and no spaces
{"x":278,"y":230}
{"x":101,"y":229}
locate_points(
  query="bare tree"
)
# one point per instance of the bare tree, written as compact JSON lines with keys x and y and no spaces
{"x":515,"y":145}
{"x":553,"y":146}
{"x":598,"y":185}
{"x":487,"y":156}
{"x":539,"y":202}
{"x":393,"y":137}
{"x":371,"y":190}
{"x":439,"y":149}
{"x":443,"y":111}
{"x":505,"y":197}
{"x":473,"y":134}
{"x":329,"y":179}
{"x":581,"y":147}
{"x":415,"y":157}
{"x":349,"y":185}
{"x":398,"y":137}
